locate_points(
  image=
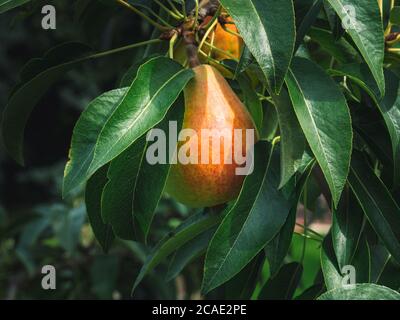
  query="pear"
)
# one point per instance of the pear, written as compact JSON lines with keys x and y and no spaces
{"x":201,"y":180}
{"x":225,"y":41}
{"x":222,"y":40}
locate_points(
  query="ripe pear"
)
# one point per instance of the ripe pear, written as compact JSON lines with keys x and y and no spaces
{"x":222,"y":40}
{"x":210,"y":104}
{"x":225,"y":41}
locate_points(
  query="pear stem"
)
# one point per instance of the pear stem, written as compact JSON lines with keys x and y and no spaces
{"x":191,"y":48}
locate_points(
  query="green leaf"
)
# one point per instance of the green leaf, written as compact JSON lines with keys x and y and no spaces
{"x":144,"y":104}
{"x":307,"y":21}
{"x":242,"y":286}
{"x":251,"y":101}
{"x":189,"y":229}
{"x":362,"y":21}
{"x":188,"y":252}
{"x":365,"y":291}
{"x":268,"y":29}
{"x":292,"y":137}
{"x":284,"y":284}
{"x":133,"y":209}
{"x":117,"y":198}
{"x":333,"y":273}
{"x":379,"y":259}
{"x":85,"y":134}
{"x":377,"y":203}
{"x":250,"y":223}
{"x":270,"y":122}
{"x":154,"y":176}
{"x":312,"y":292}
{"x":334,"y":21}
{"x":277,"y":249}
{"x":37,"y":76}
{"x":6,"y":5}
{"x":126,"y":199}
{"x":246,"y":59}
{"x":325,"y":119}
{"x":93,"y":191}
{"x":389,"y":105}
{"x":346,"y":228}
{"x":395,"y":16}
{"x":130,"y":75}
{"x":341,"y":50}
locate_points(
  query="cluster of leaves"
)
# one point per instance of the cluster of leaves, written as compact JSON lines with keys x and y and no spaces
{"x":327,"y":83}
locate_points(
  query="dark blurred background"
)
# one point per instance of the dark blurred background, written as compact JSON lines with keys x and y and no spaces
{"x":36,"y":226}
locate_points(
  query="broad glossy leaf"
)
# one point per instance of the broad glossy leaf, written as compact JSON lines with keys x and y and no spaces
{"x":284,"y":284}
{"x":85,"y":135}
{"x":117,"y":198}
{"x":193,"y":226}
{"x":37,"y":76}
{"x":154,"y":176}
{"x":292,"y":138}
{"x":130,"y":75}
{"x":346,"y":228}
{"x":6,"y":5}
{"x":250,"y":223}
{"x":144,"y":104}
{"x":251,"y":101}
{"x":267,"y":28}
{"x":246,"y":59}
{"x":157,"y":85}
{"x":127,"y":201}
{"x":389,"y":105}
{"x":333,"y":273}
{"x":325,"y":119}
{"x":362,"y":21}
{"x":277,"y":249}
{"x":93,"y":191}
{"x":364,"y":291}
{"x":377,"y":203}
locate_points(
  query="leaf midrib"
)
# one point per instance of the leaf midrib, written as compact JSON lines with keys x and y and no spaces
{"x":144,"y":109}
{"x":245,"y":222}
{"x":373,"y":200}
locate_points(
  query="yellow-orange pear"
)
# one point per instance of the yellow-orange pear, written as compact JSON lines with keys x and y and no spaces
{"x":208,"y":142}
{"x":226,"y":41}
{"x":223,"y":40}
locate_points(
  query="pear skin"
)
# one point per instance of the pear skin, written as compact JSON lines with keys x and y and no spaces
{"x":226,"y":41}
{"x":210,"y":104}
